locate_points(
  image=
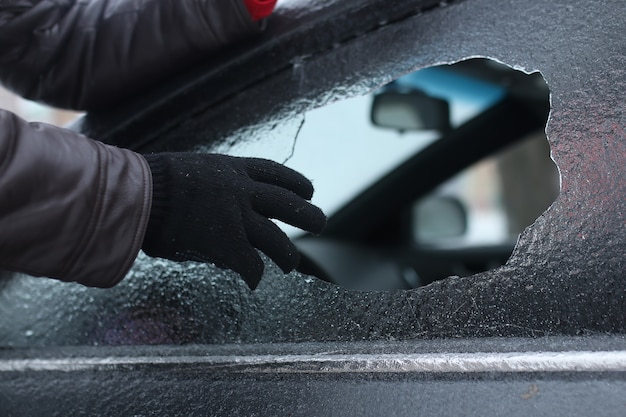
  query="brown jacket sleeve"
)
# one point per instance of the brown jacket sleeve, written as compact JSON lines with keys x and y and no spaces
{"x":88,"y":54}
{"x":71,"y":208}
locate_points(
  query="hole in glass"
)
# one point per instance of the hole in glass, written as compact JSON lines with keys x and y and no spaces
{"x":436,"y":174}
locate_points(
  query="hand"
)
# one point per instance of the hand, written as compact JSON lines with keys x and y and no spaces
{"x":216,"y":208}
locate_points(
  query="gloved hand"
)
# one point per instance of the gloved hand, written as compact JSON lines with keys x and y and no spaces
{"x":216,"y":208}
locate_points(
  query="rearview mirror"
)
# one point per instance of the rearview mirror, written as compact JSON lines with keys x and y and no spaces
{"x":409,"y":109}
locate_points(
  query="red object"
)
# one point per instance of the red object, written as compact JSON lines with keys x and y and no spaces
{"x":260,"y":9}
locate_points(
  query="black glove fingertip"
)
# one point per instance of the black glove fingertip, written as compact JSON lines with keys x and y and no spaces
{"x":250,"y":270}
{"x":318,"y":221}
{"x":271,"y":172}
{"x":252,"y":281}
{"x":250,"y":277}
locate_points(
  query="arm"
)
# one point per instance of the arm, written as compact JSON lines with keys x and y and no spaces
{"x":70,"y":208}
{"x":74,"y":209}
{"x":86,"y":54}
{"x":77,"y":210}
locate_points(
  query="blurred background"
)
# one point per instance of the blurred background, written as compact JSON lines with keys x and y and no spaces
{"x":34,"y":112}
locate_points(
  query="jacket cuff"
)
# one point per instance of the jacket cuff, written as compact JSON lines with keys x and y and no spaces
{"x":120,"y":222}
{"x":125,"y":206}
{"x":139,"y":182}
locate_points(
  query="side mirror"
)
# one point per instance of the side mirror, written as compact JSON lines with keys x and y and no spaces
{"x":409,"y":109}
{"x":438,"y":217}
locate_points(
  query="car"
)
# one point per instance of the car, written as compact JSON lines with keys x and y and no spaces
{"x":539,"y":332}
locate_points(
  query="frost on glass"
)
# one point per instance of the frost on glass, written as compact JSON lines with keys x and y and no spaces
{"x":159,"y":302}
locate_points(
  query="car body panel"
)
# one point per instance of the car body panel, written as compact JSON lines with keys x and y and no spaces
{"x":486,"y":377}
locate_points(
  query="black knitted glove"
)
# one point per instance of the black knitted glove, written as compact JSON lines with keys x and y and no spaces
{"x":216,"y":208}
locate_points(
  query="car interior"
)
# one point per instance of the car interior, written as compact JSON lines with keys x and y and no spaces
{"x":455,"y":204}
